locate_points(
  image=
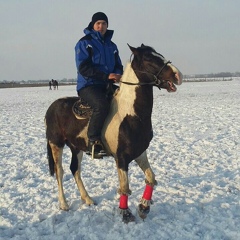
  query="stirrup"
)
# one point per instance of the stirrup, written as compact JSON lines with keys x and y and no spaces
{"x":94,"y":151}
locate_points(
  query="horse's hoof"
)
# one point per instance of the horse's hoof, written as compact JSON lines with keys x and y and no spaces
{"x":64,"y":207}
{"x":127,"y":215}
{"x":88,"y":201}
{"x":143,"y":211}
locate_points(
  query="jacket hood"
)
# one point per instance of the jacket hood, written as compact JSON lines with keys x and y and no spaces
{"x":88,"y":30}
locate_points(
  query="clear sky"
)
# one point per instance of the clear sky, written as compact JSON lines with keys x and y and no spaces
{"x":38,"y":36}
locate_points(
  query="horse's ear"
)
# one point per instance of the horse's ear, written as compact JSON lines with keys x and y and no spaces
{"x":142,"y":45}
{"x":134,"y":50}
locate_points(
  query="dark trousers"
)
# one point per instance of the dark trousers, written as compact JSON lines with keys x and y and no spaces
{"x":95,"y":96}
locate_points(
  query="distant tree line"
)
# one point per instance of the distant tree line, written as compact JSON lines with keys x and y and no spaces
{"x":214,"y":75}
{"x":34,"y":83}
{"x":217,"y":76}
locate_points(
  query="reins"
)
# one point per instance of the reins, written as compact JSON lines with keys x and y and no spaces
{"x":157,"y":82}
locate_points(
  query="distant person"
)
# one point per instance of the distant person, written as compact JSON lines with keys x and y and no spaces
{"x":50,"y":85}
{"x":55,"y":84}
{"x":98,"y":62}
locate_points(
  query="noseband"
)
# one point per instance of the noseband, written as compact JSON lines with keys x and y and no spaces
{"x":157,"y":82}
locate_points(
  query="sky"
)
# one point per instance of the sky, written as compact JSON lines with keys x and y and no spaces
{"x":38,"y":36}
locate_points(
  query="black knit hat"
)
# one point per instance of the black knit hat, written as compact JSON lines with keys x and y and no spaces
{"x":99,"y":16}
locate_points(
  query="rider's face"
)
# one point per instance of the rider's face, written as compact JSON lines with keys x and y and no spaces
{"x":100,"y":26}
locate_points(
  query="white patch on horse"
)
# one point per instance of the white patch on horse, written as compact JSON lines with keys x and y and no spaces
{"x":127,"y":93}
{"x":83,"y":134}
{"x":175,"y":70}
{"x":178,"y":74}
{"x":159,"y":55}
{"x":122,"y":106}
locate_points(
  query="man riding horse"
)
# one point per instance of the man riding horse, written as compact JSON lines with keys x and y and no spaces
{"x":97,"y":61}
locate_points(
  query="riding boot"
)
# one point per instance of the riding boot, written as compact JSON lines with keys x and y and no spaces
{"x":96,"y":149}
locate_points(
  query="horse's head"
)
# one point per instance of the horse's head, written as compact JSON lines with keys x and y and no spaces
{"x":152,"y":68}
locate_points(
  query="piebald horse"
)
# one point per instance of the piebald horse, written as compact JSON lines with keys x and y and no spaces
{"x":126,"y":133}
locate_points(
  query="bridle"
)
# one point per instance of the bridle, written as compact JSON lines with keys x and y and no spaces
{"x":157,"y":82}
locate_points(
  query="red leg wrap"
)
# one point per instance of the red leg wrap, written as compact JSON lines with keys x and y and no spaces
{"x":147,"y":195}
{"x":123,"y":203}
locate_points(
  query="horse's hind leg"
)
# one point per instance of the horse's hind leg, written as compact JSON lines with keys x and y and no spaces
{"x":144,"y":206}
{"x":57,"y":156}
{"x":76,"y":171}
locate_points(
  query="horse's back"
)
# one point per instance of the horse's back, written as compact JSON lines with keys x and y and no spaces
{"x":60,"y":107}
{"x":62,"y":103}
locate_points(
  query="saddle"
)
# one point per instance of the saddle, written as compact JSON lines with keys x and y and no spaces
{"x":81,"y":109}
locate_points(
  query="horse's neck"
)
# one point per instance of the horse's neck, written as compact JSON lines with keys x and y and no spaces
{"x":133,"y":97}
{"x":129,"y":75}
{"x":127,"y":93}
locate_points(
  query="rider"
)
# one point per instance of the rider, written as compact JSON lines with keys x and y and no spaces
{"x":98,"y":62}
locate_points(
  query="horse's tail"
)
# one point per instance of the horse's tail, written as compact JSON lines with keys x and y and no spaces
{"x":50,"y":159}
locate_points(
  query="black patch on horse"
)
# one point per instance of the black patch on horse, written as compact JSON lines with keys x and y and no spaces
{"x":134,"y":138}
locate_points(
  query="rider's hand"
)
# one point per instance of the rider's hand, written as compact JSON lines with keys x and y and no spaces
{"x":114,"y":77}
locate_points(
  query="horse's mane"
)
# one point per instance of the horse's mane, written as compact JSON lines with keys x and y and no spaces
{"x":146,"y":48}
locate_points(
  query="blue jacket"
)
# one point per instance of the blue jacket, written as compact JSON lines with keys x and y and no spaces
{"x":96,"y":58}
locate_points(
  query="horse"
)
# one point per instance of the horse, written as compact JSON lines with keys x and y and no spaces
{"x":126,"y":133}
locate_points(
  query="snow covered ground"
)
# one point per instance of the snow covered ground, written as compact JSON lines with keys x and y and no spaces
{"x":195,"y":154}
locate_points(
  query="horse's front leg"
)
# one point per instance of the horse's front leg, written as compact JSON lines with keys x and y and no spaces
{"x":124,"y":192}
{"x":76,"y":171}
{"x":146,"y":200}
{"x":57,"y":157}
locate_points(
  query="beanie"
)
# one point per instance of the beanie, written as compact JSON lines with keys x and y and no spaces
{"x":99,"y":16}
